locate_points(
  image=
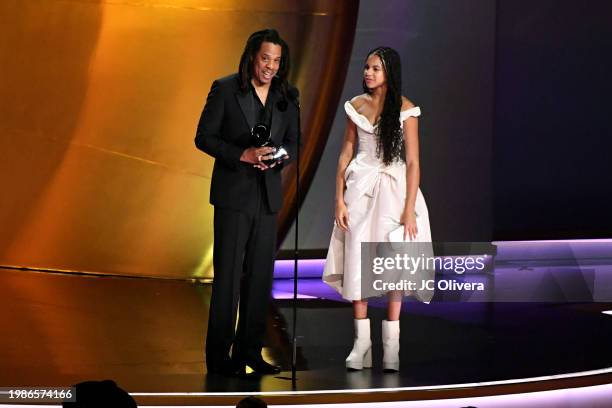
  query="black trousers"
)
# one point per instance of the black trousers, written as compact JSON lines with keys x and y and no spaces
{"x":243,"y":260}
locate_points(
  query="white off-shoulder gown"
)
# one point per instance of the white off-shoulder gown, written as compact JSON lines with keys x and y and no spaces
{"x":375,"y":195}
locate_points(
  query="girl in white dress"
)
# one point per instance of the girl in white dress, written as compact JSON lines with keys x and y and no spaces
{"x":376,"y":191}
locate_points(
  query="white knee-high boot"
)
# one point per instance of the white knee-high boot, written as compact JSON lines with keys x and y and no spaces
{"x":390,"y":338}
{"x":361,"y":354}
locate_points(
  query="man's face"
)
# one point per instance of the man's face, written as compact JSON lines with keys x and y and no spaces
{"x":266,"y":63}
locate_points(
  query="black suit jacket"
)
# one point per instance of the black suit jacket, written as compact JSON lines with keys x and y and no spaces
{"x":224,"y":132}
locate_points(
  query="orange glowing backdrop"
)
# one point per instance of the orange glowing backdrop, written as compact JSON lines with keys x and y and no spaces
{"x":99,"y":101}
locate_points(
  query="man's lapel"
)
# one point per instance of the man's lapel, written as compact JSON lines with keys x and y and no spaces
{"x":246,"y":106}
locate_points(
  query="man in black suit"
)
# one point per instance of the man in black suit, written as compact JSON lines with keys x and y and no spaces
{"x":246,"y":193}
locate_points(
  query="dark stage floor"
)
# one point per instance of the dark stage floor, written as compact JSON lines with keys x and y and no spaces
{"x":148,"y":336}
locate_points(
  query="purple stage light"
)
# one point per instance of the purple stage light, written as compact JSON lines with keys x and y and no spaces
{"x":307,"y":268}
{"x":524,"y":271}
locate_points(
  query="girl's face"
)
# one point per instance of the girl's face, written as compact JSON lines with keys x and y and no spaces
{"x":373,"y":72}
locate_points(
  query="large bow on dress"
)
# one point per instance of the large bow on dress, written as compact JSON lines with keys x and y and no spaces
{"x":363,"y":176}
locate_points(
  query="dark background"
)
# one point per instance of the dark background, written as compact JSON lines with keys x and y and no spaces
{"x":552,"y":176}
{"x":515,"y":132}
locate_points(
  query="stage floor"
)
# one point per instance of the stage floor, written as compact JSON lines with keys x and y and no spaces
{"x":148,"y":336}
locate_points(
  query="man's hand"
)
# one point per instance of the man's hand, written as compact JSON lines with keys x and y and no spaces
{"x":256,"y":155}
{"x":263,"y":166}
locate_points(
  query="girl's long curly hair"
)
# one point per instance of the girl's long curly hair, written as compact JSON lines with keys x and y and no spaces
{"x":390,"y":136}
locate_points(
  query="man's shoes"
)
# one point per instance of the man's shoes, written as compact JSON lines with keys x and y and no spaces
{"x":227,"y":369}
{"x":261,"y":367}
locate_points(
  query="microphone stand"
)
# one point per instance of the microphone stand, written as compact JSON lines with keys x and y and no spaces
{"x":296,"y":249}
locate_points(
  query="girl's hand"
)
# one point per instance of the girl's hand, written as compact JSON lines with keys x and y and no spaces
{"x":342,"y":216}
{"x":408,"y":220}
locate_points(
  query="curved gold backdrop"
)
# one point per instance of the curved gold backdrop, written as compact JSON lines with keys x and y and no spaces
{"x":99,"y":102}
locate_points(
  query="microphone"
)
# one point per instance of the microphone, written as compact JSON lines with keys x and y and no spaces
{"x":294,"y":96}
{"x":282,"y":105}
